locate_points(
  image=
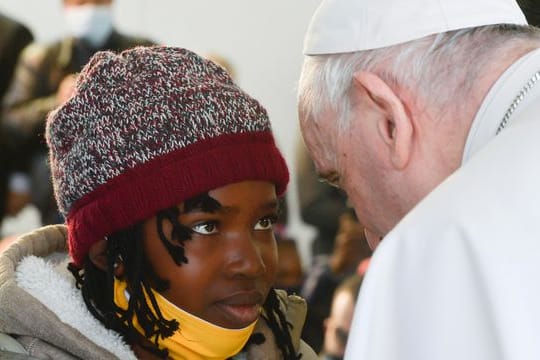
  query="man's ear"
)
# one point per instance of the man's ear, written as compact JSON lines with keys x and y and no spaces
{"x":98,"y":254}
{"x":394,"y":125}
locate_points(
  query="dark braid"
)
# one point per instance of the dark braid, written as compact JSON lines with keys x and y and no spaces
{"x":179,"y":234}
{"x":126,"y":246}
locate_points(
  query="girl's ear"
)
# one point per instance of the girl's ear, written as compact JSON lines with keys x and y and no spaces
{"x":98,"y":254}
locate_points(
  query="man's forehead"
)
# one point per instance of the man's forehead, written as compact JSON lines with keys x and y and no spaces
{"x":321,"y":125}
{"x":320,"y":136}
{"x":323,"y":156}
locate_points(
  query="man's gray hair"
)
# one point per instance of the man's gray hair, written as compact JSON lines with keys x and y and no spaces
{"x":440,"y":69}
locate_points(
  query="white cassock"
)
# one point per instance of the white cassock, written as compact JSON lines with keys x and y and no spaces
{"x":459,"y":277}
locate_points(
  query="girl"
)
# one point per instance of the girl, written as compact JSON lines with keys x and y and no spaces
{"x":169,"y":177}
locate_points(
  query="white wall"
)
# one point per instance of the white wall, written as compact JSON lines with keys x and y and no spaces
{"x":262,"y":39}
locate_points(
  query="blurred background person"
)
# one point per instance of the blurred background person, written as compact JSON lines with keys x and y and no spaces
{"x":338,"y":323}
{"x":14,"y":36}
{"x":44,"y":78}
{"x":328,"y":271}
{"x":14,"y":191}
{"x":290,"y":275}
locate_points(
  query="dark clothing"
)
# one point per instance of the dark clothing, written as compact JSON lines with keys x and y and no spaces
{"x":32,"y":95}
{"x":14,"y":37}
{"x":531,"y":9}
{"x":318,"y":290}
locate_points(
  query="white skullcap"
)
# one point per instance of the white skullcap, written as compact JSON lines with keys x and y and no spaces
{"x":340,"y":26}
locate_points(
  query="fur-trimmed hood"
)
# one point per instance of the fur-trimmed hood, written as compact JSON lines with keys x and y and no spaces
{"x":40,"y":304}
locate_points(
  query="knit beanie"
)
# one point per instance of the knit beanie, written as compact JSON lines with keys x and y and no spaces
{"x":147,"y":129}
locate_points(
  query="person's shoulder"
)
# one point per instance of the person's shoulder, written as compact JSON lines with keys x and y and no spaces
{"x":42,"y":241}
{"x":125,"y":41}
{"x":14,"y":33}
{"x":295,"y":309}
{"x":38,"y":51}
{"x":289,"y":300}
{"x":23,"y":34}
{"x":306,"y":351}
{"x":7,"y":23}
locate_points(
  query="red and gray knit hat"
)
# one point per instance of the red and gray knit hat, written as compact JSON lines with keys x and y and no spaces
{"x":147,"y":129}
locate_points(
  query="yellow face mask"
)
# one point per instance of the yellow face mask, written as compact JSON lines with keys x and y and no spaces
{"x":196,"y":338}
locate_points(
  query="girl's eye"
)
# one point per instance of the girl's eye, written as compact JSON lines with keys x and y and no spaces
{"x":265,"y":223}
{"x":205,"y":228}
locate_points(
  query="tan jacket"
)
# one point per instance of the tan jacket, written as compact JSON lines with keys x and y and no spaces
{"x":42,"y":309}
{"x":39,"y":72}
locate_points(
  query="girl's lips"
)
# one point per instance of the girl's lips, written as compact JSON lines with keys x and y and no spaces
{"x":241,"y":309}
{"x":241,"y":315}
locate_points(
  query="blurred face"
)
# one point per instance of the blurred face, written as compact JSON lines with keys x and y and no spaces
{"x":231,"y":254}
{"x":89,"y":20}
{"x":289,"y":270}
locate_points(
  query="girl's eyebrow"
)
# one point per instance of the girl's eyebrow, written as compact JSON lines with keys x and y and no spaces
{"x":208,"y":204}
{"x":203,"y":202}
{"x":271,"y":205}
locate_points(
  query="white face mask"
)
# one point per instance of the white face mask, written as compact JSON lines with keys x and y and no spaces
{"x":90,"y":22}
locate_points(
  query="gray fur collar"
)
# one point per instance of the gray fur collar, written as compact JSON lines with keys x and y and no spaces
{"x":53,"y":288}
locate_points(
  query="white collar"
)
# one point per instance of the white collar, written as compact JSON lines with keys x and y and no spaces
{"x":499,"y":99}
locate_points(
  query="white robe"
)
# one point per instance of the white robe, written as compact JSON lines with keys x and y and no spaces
{"x":459,"y":277}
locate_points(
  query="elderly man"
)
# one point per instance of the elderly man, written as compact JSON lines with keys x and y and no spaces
{"x":427,"y":113}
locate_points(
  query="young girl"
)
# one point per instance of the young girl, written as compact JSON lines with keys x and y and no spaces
{"x":169,"y":178}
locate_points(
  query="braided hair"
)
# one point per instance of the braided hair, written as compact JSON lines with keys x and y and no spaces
{"x":127,"y":246}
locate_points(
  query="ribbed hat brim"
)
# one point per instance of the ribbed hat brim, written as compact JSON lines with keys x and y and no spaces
{"x":169,"y":180}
